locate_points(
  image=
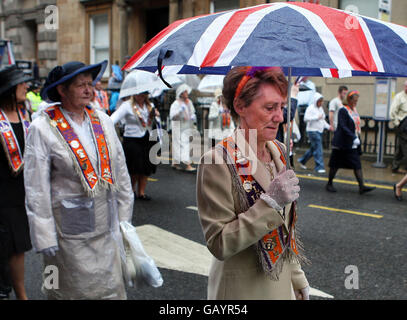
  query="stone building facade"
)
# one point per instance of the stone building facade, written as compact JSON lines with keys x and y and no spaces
{"x":23,"y":22}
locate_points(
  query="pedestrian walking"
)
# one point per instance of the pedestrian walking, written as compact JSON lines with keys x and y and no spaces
{"x":398,"y":114}
{"x":138,"y":115}
{"x":316,"y":124}
{"x":78,"y":189}
{"x":346,"y":148}
{"x":183,"y":118}
{"x":398,"y":187}
{"x":14,"y":228}
{"x":334,"y":105}
{"x":221,"y":124}
{"x":245,"y":201}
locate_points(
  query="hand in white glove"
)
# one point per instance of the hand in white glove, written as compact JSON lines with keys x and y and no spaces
{"x":356,"y":141}
{"x":302,"y":294}
{"x":283,"y":189}
{"x":51,"y":251}
{"x":193,"y":117}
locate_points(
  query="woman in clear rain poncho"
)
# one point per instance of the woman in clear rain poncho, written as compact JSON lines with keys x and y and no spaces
{"x":77,"y":189}
{"x":183,"y":117}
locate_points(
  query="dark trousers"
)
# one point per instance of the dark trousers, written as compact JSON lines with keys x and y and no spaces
{"x":401,"y":152}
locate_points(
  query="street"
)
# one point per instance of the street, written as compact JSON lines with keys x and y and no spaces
{"x":338,"y":230}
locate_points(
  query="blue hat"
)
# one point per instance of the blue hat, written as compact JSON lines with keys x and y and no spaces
{"x":61,"y":74}
{"x":10,"y":77}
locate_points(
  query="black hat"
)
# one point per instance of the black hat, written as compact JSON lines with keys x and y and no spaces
{"x":12,"y":76}
{"x":61,"y":74}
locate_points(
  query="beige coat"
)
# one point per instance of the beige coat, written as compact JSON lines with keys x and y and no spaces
{"x":231,"y":235}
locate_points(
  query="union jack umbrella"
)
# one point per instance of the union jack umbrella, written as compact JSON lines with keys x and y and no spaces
{"x":305,"y":39}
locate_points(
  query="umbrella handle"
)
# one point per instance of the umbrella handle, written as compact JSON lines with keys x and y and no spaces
{"x":288,"y":138}
{"x":163,"y":55}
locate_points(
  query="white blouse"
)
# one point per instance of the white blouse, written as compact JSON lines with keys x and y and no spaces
{"x":132,"y":124}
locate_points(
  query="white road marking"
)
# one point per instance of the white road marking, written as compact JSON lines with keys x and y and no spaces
{"x":192,"y":208}
{"x":171,"y":251}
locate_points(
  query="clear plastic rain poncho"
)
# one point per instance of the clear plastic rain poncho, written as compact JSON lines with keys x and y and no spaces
{"x":83,"y":225}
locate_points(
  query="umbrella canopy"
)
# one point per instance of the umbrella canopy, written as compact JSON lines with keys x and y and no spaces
{"x":310,"y":39}
{"x":211,"y":82}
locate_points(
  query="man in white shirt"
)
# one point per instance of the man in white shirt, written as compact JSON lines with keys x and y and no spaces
{"x":398,"y":114}
{"x":335,"y":105}
{"x":315,"y":119}
{"x":305,"y":98}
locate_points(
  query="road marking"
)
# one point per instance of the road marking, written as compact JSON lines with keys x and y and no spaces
{"x":171,"y":251}
{"x":152,"y":179}
{"x":379,"y":186}
{"x":192,"y":208}
{"x":371,"y":215}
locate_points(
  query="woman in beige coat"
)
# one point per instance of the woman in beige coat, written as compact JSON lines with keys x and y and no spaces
{"x":245,"y":196}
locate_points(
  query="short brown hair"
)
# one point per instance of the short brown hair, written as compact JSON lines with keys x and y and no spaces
{"x":258,"y":76}
{"x":351,"y":96}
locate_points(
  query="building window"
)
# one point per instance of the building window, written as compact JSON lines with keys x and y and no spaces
{"x":367,"y":8}
{"x":99,"y":39}
{"x":223,"y":5}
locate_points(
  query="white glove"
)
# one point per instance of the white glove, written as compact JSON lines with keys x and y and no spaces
{"x":51,"y":251}
{"x":356,"y":142}
{"x":193,"y":117}
{"x":302,"y":294}
{"x":284,"y":189}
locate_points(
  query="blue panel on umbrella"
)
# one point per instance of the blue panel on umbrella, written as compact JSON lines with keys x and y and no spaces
{"x":392,"y":49}
{"x":285,"y":38}
{"x":182,"y":42}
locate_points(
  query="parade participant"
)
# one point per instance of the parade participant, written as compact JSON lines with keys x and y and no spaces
{"x":138,"y":114}
{"x":315,"y":119}
{"x":398,"y":114}
{"x":245,"y":196}
{"x":77,"y":189}
{"x":14,"y":123}
{"x":334,"y":105}
{"x":221,"y":124}
{"x":346,"y":148}
{"x":101,"y":97}
{"x":34,"y":96}
{"x":182,"y":112}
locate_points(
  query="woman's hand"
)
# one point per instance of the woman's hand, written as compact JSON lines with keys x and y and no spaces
{"x":302,"y":294}
{"x":284,"y":189}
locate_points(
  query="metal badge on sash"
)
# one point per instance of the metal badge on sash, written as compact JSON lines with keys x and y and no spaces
{"x":247,"y":186}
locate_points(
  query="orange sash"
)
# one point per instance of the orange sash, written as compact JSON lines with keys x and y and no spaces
{"x":9,"y":140}
{"x":89,"y":175}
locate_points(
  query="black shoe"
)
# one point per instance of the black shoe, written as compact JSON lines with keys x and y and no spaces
{"x":330,"y":188}
{"x":398,"y":198}
{"x":365,"y":189}
{"x":144,"y":197}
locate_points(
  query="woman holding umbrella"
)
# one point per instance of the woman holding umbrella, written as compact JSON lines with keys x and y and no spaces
{"x":245,"y":196}
{"x":14,"y":229}
{"x":346,"y":148}
{"x":139,"y":115}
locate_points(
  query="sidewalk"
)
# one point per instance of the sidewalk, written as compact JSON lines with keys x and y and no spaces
{"x":370,"y":173}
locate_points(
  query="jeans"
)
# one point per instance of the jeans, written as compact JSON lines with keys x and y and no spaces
{"x":314,"y":151}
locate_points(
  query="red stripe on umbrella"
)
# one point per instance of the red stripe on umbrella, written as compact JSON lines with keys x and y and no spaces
{"x":226,"y":35}
{"x":353,"y":42}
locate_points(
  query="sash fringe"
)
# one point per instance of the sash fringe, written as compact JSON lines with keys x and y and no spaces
{"x":243,"y":205}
